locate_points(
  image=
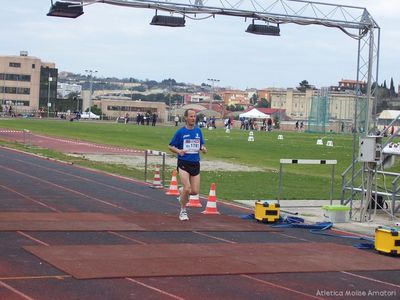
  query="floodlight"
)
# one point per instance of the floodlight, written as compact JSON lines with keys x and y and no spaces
{"x":263,"y":29}
{"x":65,"y":10}
{"x":170,"y":21}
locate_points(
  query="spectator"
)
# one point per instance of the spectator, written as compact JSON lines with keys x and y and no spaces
{"x":138,"y":118}
{"x":213,"y":122}
{"x":229,"y":123}
{"x":269,"y":124}
{"x":154,"y":119}
{"x":242,"y":125}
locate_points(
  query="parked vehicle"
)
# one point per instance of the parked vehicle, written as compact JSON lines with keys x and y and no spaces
{"x":89,"y":115}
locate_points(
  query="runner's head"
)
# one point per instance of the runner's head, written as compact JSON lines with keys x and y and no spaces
{"x":190,"y":117}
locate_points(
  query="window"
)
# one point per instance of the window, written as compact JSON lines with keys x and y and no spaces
{"x":14,"y":90}
{"x":15,"y":65}
{"x":15,"y":77}
{"x":15,"y":102}
{"x":24,"y":91}
{"x":33,"y":66}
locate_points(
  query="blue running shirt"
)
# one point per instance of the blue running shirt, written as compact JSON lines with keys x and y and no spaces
{"x":190,"y":140}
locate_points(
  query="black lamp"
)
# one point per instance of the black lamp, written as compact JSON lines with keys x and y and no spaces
{"x":263,"y":29}
{"x":65,"y":10}
{"x":170,"y":21}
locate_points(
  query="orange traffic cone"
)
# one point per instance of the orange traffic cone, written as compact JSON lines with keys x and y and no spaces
{"x":211,"y":208}
{"x":173,"y":187}
{"x":194,"y":201}
{"x":157,"y":180}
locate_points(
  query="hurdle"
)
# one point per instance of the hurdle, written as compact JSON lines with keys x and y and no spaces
{"x":27,"y":138}
{"x":282,"y":162}
{"x":148,"y":153}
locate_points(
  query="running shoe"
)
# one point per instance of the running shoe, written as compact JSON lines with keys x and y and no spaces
{"x":183,"y":216}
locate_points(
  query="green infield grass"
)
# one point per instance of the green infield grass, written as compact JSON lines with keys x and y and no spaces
{"x":299,"y":181}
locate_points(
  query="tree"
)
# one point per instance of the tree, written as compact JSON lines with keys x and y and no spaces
{"x":151,"y":84}
{"x":168,"y":83}
{"x":235,"y":107}
{"x":264,"y":103}
{"x":303,"y":85}
{"x":392,"y":92}
{"x":176,"y":98}
{"x":380,"y":92}
{"x":217,"y":97}
{"x":94,"y":109}
{"x":254,"y":99}
{"x":140,"y":88}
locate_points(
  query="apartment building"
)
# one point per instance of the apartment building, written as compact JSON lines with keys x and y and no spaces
{"x":235,"y":97}
{"x":298,"y":104}
{"x":27,"y":83}
{"x":66,"y":89}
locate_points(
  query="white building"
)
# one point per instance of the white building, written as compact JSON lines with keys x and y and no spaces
{"x":65,"y":89}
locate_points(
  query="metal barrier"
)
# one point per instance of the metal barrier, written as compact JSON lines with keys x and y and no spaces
{"x":154,"y":153}
{"x":27,"y":138}
{"x":306,"y":162}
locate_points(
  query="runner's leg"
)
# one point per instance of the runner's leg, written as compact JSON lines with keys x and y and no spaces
{"x":185,"y":180}
{"x":194,"y":184}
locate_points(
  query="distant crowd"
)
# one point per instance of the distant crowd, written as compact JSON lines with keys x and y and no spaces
{"x":8,"y":110}
{"x":251,"y":124}
{"x":143,"y":119}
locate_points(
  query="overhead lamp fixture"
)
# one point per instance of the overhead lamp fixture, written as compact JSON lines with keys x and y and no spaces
{"x":170,"y":21}
{"x":263,"y":29}
{"x":65,"y":10}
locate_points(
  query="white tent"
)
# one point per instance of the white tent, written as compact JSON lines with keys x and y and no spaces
{"x":254,"y":114}
{"x":389,"y":114}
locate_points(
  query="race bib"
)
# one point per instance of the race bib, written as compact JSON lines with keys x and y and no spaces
{"x":191,"y":146}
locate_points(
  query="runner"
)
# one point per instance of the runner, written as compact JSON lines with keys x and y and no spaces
{"x":187,"y":143}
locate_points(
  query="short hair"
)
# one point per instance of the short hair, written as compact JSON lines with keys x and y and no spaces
{"x":187,"y":112}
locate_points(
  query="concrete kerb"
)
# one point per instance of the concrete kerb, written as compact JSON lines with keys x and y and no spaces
{"x":311,"y":211}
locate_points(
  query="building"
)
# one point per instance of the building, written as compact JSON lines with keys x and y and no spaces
{"x":235,"y":97}
{"x":197,"y":98}
{"x":298,"y":104}
{"x":114,"y":108}
{"x":66,"y":89}
{"x":349,"y":85}
{"x":26,"y":83}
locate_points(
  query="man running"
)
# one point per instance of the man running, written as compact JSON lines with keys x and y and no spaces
{"x":187,"y":143}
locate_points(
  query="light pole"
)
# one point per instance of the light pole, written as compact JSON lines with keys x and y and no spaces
{"x":280,"y":106}
{"x":48,"y":96}
{"x":77,"y":103}
{"x":213,"y":81}
{"x":90,"y":73}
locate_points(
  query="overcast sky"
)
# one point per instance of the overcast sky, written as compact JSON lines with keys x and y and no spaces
{"x":119,"y":42}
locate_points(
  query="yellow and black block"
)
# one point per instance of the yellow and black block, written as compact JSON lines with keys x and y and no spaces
{"x":387,"y":240}
{"x":266,"y":212}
